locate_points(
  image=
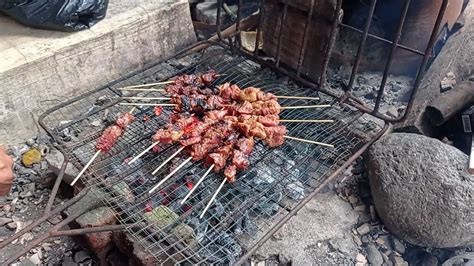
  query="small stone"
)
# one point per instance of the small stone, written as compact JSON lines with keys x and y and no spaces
{"x":353,"y":199}
{"x":397,"y":260}
{"x":31,"y":157}
{"x":11,"y":226}
{"x":392,"y":111}
{"x":361,"y":258}
{"x":380,"y":241}
{"x":4,"y":221}
{"x":397,"y":245}
{"x":30,"y":142}
{"x":373,"y":255}
{"x":448,"y":82}
{"x":81,"y":256}
{"x":360,"y":208}
{"x":35,"y":259}
{"x":96,"y":123}
{"x":363,"y":229}
{"x":357,"y":240}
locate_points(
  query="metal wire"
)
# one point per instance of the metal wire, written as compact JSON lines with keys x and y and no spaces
{"x":276,"y":181}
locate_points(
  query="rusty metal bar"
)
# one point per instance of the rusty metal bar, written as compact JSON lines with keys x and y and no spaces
{"x":218,"y":20}
{"x":90,"y":230}
{"x":55,"y":189}
{"x":257,"y":39}
{"x":428,"y":50}
{"x":39,"y":239}
{"x":237,"y":23}
{"x":398,"y":34}
{"x":300,"y":205}
{"x":360,"y":50}
{"x":280,"y":33}
{"x":305,"y":38}
{"x":332,"y":41}
{"x":44,"y":218}
{"x":401,"y":46}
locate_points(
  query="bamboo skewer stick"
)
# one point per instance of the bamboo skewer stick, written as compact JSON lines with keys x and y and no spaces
{"x":167,"y":160}
{"x":143,"y":152}
{"x":170,"y":174}
{"x":142,"y":89}
{"x":85,"y":167}
{"x":149,"y":104}
{"x":197,"y":184}
{"x":146,"y":98}
{"x":306,"y":121}
{"x":296,"y":97}
{"x":146,"y":85}
{"x":213,"y":198}
{"x":306,"y":106}
{"x":309,"y":141}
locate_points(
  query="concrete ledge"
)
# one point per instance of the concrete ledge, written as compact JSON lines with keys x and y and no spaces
{"x":39,"y":66}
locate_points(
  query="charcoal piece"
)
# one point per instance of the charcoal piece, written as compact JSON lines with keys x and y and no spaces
{"x":263,"y":177}
{"x":241,"y":224}
{"x":180,"y":192}
{"x":213,"y":253}
{"x":268,"y":204}
{"x":200,"y":228}
{"x":217,"y":210}
{"x":295,"y":190}
{"x":232,"y":248}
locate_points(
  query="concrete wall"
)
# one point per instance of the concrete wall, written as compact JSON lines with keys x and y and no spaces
{"x":39,"y":68}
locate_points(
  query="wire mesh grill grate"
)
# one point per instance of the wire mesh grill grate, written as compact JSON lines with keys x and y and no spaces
{"x":277,"y":180}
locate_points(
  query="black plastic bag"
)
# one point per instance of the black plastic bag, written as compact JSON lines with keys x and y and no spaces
{"x":62,"y":15}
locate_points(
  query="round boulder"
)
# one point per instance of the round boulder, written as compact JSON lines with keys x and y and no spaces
{"x":422,"y":190}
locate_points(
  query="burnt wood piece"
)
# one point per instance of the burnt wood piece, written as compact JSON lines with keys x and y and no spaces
{"x":293,"y":31}
{"x":457,"y":56}
{"x":448,"y":104}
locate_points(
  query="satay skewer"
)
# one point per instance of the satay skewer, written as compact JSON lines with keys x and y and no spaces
{"x":197,"y":184}
{"x":143,"y":152}
{"x":97,"y":153}
{"x":167,"y":160}
{"x":170,"y":174}
{"x":213,"y":198}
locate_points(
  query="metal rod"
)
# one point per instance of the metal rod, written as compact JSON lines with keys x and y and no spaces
{"x":55,"y":189}
{"x":213,"y":198}
{"x":58,"y":209}
{"x":198,"y":183}
{"x":143,"y":152}
{"x":305,"y":38}
{"x":170,"y":174}
{"x":90,"y":230}
{"x":398,"y":34}
{"x":85,"y":167}
{"x":360,"y":49}
{"x":424,"y":62}
{"x":401,"y":46}
{"x":332,"y":41}
{"x":167,"y":160}
{"x":300,"y":205}
{"x":218,"y":20}
{"x":309,"y":141}
{"x":280,"y":33}
{"x":259,"y":31}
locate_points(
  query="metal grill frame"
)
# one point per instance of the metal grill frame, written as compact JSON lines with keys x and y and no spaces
{"x":227,"y":42}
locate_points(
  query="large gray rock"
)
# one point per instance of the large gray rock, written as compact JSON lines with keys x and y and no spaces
{"x":422,"y":190}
